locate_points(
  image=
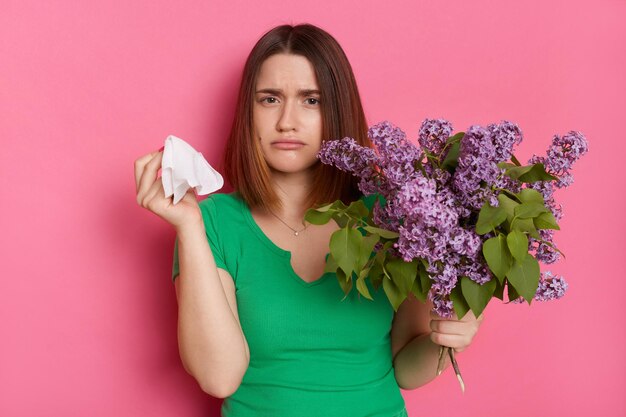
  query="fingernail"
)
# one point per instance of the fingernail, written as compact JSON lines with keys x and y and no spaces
{"x":161,"y":148}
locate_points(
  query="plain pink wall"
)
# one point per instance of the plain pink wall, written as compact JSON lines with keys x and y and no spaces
{"x":88,"y":311}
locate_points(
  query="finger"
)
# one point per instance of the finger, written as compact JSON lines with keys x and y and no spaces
{"x":154,"y":191}
{"x":149,"y":175}
{"x":452,"y":327}
{"x":451,"y":340}
{"x":139,"y":166}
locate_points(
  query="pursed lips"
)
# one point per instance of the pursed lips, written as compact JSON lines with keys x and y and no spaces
{"x":288,"y":144}
{"x":289,"y":141}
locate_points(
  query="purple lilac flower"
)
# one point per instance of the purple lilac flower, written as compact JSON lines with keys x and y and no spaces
{"x":397,"y":155}
{"x":464,"y":241}
{"x":387,"y":138}
{"x":508,"y":183}
{"x":444,"y":276}
{"x":433,"y":135}
{"x":565,"y":151}
{"x":550,"y":288}
{"x":347,"y":155}
{"x":428,"y":209}
{"x":543,"y":252}
{"x":476,"y":170}
{"x":389,"y":217}
{"x":476,"y":270}
{"x":443,"y":307}
{"x":504,"y":136}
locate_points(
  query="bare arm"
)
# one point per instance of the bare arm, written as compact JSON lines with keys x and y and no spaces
{"x":211,"y":343}
{"x":417,"y":334}
{"x":415,"y":355}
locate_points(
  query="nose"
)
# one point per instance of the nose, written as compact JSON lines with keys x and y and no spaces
{"x":288,"y":117}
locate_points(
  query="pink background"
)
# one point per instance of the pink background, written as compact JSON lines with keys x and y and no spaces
{"x":88,"y":309}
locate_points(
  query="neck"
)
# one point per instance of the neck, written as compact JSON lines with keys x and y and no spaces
{"x":292,"y":189}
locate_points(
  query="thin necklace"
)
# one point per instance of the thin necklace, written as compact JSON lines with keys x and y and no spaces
{"x":295,"y":232}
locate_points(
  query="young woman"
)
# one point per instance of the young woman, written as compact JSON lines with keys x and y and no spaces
{"x":260,"y":323}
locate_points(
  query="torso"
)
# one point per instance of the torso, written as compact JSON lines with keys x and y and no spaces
{"x":308,"y":249}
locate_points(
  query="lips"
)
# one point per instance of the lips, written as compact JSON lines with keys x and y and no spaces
{"x":288,"y":144}
{"x":294,"y":141}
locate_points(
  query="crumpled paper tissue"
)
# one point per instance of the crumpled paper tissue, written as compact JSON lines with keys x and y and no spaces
{"x":183,"y":167}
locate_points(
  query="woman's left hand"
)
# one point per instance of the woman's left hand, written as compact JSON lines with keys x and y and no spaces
{"x":452,"y":332}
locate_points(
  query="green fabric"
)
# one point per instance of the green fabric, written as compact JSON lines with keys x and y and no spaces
{"x":311,"y":354}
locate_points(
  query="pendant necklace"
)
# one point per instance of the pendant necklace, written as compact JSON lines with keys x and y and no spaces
{"x":295,"y":232}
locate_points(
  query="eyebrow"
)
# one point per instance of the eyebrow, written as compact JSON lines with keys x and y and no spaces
{"x":279,"y":92}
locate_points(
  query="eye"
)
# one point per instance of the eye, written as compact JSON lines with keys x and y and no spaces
{"x":316,"y":101}
{"x":268,"y":98}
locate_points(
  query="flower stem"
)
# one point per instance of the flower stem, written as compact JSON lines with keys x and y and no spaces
{"x":442,"y":357}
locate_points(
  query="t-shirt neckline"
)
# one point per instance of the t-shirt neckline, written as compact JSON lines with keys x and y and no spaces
{"x":256,"y":229}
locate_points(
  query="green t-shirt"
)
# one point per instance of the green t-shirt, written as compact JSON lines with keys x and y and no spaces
{"x":311,"y":354}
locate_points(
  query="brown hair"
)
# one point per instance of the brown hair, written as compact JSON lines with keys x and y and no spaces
{"x":342,"y":115}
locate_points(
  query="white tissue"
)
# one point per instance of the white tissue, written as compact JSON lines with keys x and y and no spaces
{"x":183,"y":167}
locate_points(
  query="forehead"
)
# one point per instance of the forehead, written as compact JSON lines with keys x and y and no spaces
{"x":287,"y":72}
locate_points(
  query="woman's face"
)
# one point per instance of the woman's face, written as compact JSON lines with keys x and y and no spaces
{"x":287,"y":106}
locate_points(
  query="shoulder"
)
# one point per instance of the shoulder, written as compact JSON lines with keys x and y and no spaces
{"x":221,"y":201}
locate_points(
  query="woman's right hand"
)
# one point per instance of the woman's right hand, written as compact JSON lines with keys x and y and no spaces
{"x":150,"y":194}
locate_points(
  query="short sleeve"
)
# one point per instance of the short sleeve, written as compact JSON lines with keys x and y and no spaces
{"x":209,"y":213}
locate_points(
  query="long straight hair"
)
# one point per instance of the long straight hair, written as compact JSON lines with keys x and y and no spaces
{"x":342,"y":115}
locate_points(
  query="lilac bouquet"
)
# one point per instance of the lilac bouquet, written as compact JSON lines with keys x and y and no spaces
{"x":460,"y":218}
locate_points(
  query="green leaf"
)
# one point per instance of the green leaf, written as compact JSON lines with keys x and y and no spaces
{"x":375,"y":269}
{"x":525,"y":225}
{"x":421,"y":284}
{"x":403,"y":274}
{"x":530,"y":173}
{"x":455,"y":138}
{"x":394,"y":294}
{"x":489,"y":218}
{"x":529,"y":195}
{"x":524,"y":276}
{"x":387,"y":234}
{"x":417,"y":291}
{"x":529,"y":210}
{"x":357,"y":209}
{"x":497,"y":255}
{"x":518,"y":171}
{"x":536,"y":173}
{"x":341,"y":219}
{"x":326,"y":207}
{"x":518,"y":244}
{"x":477,"y":295}
{"x":508,"y":205}
{"x":499,"y":291}
{"x":376,"y":274}
{"x":346,"y":286}
{"x":451,"y":160}
{"x":331,"y":264}
{"x":345,"y":245}
{"x":315,"y":216}
{"x":425,"y":281}
{"x":366,"y":248}
{"x":459,"y":304}
{"x":511,"y":292}
{"x":515,"y":161}
{"x":339,"y":205}
{"x":361,"y":285}
{"x":546,"y":221}
{"x":505,"y":165}
{"x":344,"y":283}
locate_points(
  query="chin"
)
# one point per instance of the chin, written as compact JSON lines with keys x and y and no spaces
{"x":292,"y":168}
